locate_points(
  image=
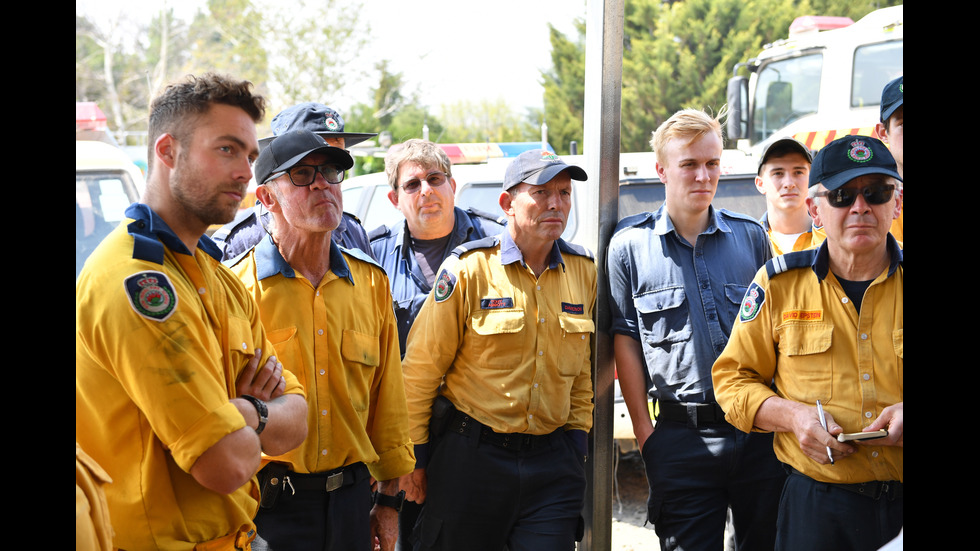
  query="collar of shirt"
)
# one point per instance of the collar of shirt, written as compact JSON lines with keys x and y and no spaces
{"x":664,"y":225}
{"x":821,"y":260}
{"x":269,"y":261}
{"x":510,"y":253}
{"x":151,"y":233}
{"x":463,"y":230}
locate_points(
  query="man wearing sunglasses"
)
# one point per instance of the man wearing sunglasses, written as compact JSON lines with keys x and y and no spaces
{"x":826,"y":326}
{"x":249,"y":226}
{"x":328,"y":313}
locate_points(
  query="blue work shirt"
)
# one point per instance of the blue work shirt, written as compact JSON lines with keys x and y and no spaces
{"x":249,"y":227}
{"x":680,"y":301}
{"x":392,"y":247}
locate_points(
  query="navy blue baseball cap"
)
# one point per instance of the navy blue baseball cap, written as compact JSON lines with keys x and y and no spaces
{"x":285,"y":151}
{"x":891,"y":98}
{"x":537,"y":167}
{"x":844,"y":159}
{"x":324,"y":121}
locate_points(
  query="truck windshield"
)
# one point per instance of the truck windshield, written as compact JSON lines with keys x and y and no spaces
{"x":786,"y":90}
{"x":874,"y":66}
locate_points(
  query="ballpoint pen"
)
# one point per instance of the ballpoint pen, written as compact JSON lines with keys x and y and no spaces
{"x":823,"y":423}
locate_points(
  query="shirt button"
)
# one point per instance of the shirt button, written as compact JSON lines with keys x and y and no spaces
{"x":319,"y":331}
{"x":244,"y":346}
{"x":583,"y":337}
{"x":317,"y":292}
{"x":539,"y":287}
{"x":530,"y":416}
{"x":322,"y":372}
{"x":867,"y":376}
{"x":874,"y":454}
{"x":324,"y":412}
{"x":535,"y":385}
{"x":323,"y":452}
{"x":844,"y":300}
{"x":867,"y":414}
{"x":201,"y":291}
{"x":540,"y":352}
{"x":542,"y":320}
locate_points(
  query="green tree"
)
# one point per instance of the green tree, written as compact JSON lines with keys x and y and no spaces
{"x":226,"y":38}
{"x":564,"y":89}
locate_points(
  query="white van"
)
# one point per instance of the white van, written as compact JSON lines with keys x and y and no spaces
{"x":106,"y":182}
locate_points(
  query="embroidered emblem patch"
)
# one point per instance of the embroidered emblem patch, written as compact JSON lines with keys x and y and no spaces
{"x":577,"y":309}
{"x":550,"y":157}
{"x":332,"y":124}
{"x":859,"y":152}
{"x":752,"y":302}
{"x":445,"y":284}
{"x":151,"y":295}
{"x":495,"y":303}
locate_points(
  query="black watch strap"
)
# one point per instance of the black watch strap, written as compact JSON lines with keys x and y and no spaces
{"x":262,"y":410}
{"x":385,"y":500}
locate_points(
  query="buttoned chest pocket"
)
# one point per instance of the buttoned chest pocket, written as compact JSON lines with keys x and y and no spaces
{"x":808,"y":369}
{"x":663,"y":317}
{"x":733,"y":294}
{"x":362,"y":355}
{"x":498,"y":337}
{"x":576,"y":338}
{"x":288,"y":352}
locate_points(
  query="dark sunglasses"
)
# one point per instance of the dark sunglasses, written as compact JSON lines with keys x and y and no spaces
{"x":434,"y":179}
{"x":304,"y":175}
{"x":874,"y":194}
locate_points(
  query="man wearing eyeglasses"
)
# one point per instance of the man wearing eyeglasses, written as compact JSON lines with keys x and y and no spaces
{"x":826,"y":326}
{"x":328,"y":313}
{"x":249,"y":226}
{"x":423,"y":190}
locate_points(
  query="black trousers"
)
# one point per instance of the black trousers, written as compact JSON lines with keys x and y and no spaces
{"x":483,"y":497}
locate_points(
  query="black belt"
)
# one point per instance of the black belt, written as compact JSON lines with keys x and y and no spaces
{"x":876,"y":489}
{"x":692,"y":413}
{"x":516,"y":441}
{"x":324,"y":482}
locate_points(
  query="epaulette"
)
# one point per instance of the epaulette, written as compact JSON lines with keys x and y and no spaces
{"x":632,"y":220}
{"x":379,"y":232}
{"x":484,"y":243}
{"x":231,"y":262}
{"x":502,"y":220}
{"x":790,"y":261}
{"x":738,"y":216}
{"x":352,"y":216}
{"x":572,"y":248}
{"x":361,"y":255}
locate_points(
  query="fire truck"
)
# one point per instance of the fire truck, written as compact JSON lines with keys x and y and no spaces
{"x":822,"y":82}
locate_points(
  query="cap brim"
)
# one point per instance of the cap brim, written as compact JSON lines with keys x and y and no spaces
{"x":841,"y":179}
{"x":350,"y":138}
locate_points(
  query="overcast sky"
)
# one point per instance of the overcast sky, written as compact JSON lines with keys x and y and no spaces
{"x":450,"y":49}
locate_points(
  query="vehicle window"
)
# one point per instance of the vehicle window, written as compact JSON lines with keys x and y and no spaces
{"x":380,"y":211}
{"x":101,"y":199}
{"x":785,"y":91}
{"x":352,"y":199}
{"x":874,"y":66}
{"x":484,"y":196}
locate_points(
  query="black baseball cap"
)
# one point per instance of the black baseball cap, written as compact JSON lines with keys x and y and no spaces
{"x":287,"y":150}
{"x":537,"y":167}
{"x":844,"y":159}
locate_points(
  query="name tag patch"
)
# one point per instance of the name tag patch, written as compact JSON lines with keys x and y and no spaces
{"x":803,"y":315}
{"x":495,"y":303}
{"x":577,"y":309}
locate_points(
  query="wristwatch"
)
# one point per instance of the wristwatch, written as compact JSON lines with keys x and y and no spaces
{"x":395,"y":502}
{"x":262,"y":410}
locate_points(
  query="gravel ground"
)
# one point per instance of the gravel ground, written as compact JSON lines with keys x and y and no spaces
{"x":629,"y":508}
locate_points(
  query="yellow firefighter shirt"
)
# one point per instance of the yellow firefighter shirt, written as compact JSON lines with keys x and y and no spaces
{"x":511,"y":350}
{"x":340,"y":340}
{"x":161,"y":335}
{"x":798,"y":328}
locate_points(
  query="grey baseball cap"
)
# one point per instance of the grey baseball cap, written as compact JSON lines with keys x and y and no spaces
{"x":537,"y":167}
{"x":324,"y":121}
{"x":783,"y":146}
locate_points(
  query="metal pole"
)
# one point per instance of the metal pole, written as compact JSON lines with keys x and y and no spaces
{"x":603,"y":87}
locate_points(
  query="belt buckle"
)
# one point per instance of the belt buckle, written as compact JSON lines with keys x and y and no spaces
{"x":335,"y":481}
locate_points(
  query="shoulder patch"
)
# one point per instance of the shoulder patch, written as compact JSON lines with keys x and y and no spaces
{"x":444,"y":285}
{"x":790,"y":261}
{"x":379,"y":232}
{"x":752,"y":302}
{"x":151,"y":295}
{"x":484,"y":243}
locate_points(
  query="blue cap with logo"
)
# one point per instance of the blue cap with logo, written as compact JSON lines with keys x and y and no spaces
{"x":326,"y":122}
{"x":891,"y":98}
{"x":537,"y":167}
{"x":844,"y":159}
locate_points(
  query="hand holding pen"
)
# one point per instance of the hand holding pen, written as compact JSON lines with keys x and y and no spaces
{"x":823,"y":423}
